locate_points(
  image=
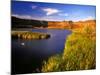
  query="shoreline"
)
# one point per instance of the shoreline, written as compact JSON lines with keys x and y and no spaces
{"x":14,"y":29}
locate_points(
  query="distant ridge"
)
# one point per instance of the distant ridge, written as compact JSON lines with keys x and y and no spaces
{"x":27,"y":23}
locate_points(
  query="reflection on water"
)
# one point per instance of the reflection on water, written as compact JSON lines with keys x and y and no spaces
{"x":27,"y":55}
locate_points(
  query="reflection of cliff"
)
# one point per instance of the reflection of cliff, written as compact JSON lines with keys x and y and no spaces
{"x":71,"y":24}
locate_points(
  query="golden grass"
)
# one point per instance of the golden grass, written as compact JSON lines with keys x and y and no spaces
{"x":79,"y":52}
{"x":30,"y":35}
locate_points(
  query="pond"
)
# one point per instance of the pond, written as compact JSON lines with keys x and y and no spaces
{"x":28,"y":55}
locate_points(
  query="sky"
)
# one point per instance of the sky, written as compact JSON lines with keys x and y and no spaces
{"x":52,"y":11}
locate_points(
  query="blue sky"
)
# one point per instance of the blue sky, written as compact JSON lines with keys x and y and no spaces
{"x":52,"y":11}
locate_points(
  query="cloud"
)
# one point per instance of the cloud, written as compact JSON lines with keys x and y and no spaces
{"x":63,"y":14}
{"x":46,"y":18}
{"x":88,"y":18}
{"x":22,"y":16}
{"x":33,"y":7}
{"x":50,"y":11}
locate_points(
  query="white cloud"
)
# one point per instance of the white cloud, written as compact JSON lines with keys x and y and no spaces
{"x":22,"y":16}
{"x":46,"y":18}
{"x":33,"y":7}
{"x":88,"y":18}
{"x":50,"y":11}
{"x":63,"y":14}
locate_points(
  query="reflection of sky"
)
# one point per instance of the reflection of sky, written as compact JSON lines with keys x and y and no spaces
{"x":52,"y":11}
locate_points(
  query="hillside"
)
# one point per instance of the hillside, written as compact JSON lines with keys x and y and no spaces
{"x":26,"y":23}
{"x":71,"y":24}
{"x":62,"y":24}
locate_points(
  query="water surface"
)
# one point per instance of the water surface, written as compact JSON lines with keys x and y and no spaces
{"x":28,"y":58}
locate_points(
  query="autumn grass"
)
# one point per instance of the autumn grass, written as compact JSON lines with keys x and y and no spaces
{"x":28,"y":35}
{"x":79,"y":52}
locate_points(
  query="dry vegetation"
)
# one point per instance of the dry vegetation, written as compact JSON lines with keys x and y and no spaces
{"x":29,"y":35}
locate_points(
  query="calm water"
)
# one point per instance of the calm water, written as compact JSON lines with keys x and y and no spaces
{"x":28,"y":58}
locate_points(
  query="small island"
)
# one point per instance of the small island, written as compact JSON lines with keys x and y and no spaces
{"x":29,"y":35}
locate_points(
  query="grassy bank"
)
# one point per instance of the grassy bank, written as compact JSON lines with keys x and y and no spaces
{"x":29,"y":35}
{"x":79,"y":52}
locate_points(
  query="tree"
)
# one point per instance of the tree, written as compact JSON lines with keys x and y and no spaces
{"x":71,"y":24}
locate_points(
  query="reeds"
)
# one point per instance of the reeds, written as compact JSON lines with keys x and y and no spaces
{"x":30,"y":35}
